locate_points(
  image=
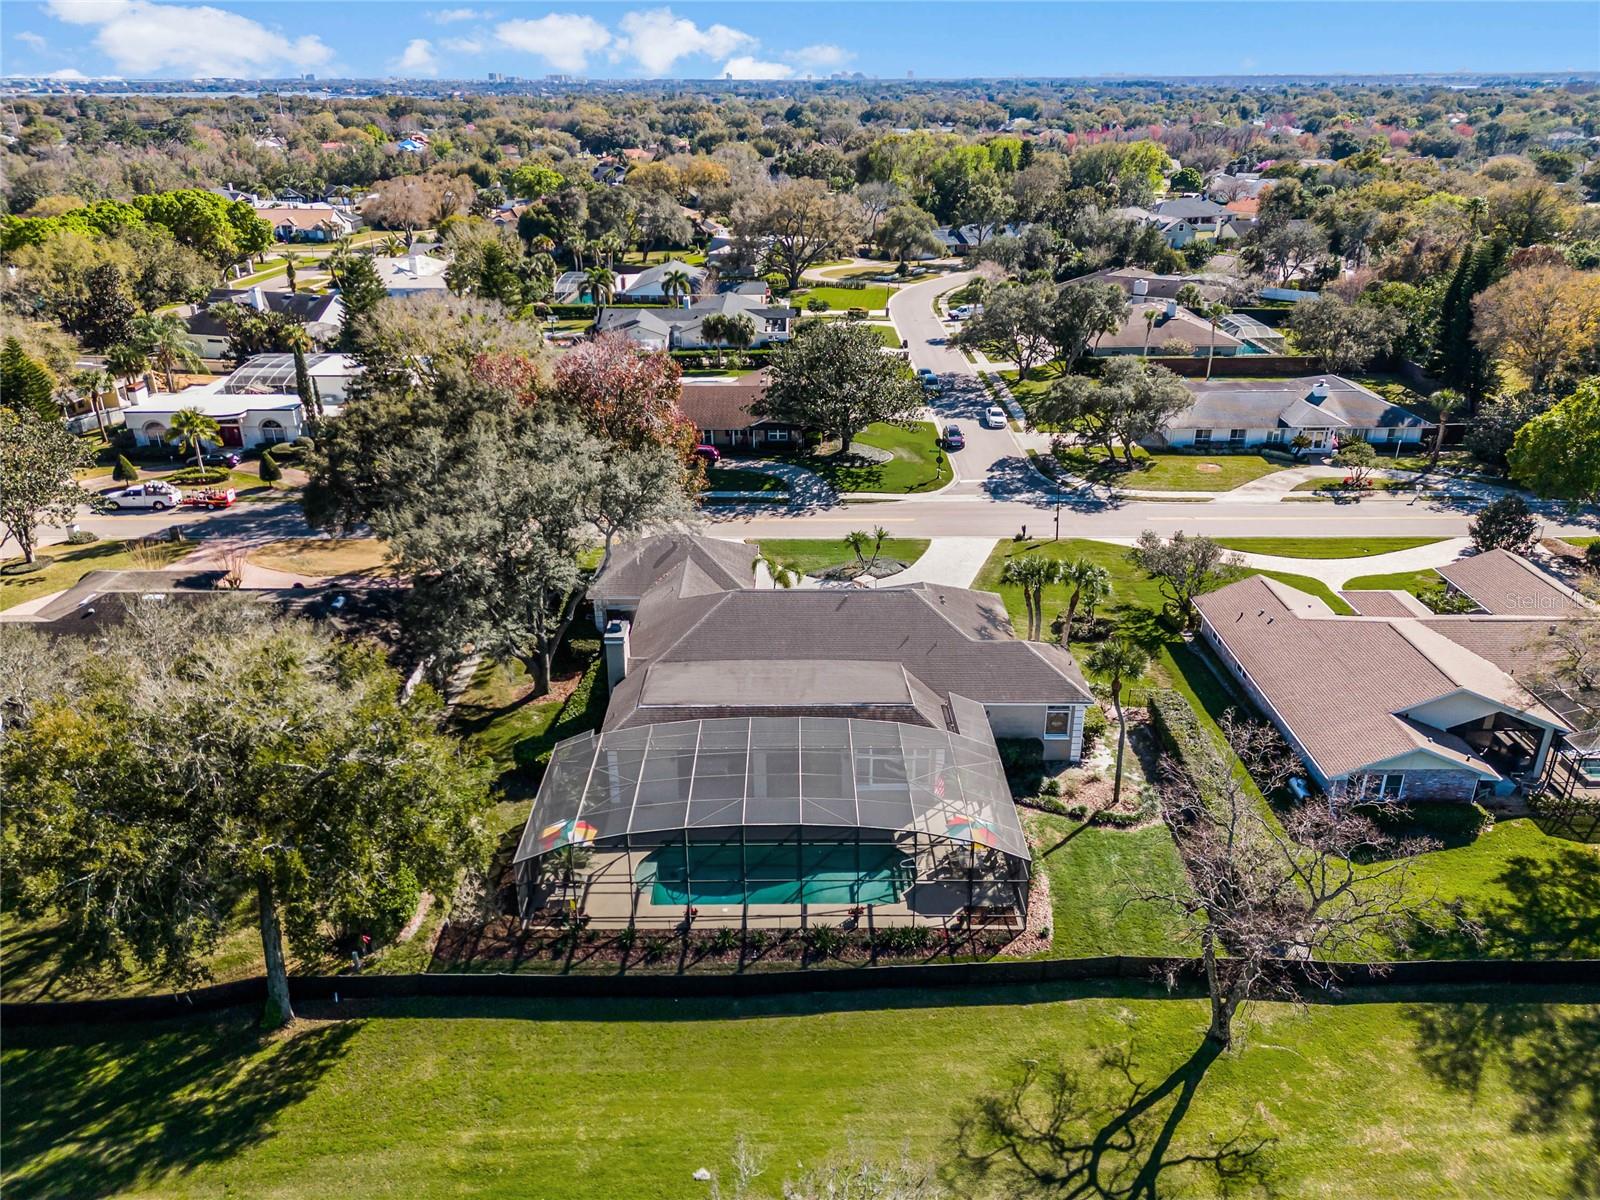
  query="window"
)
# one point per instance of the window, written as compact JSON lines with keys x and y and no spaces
{"x":1393,"y":434}
{"x":1275,"y":437}
{"x":1202,"y":437}
{"x":1057,"y":722}
{"x":1382,"y":787}
{"x":1236,"y":435}
{"x":777,"y":435}
{"x":272,"y":432}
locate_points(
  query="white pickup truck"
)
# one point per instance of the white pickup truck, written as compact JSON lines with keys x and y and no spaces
{"x":155,"y":494}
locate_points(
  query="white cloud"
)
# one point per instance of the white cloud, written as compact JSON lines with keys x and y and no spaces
{"x":466,"y":45}
{"x":417,"y":58}
{"x":68,"y":74}
{"x":33,"y":41}
{"x":656,"y":39}
{"x":746,"y":67}
{"x":142,"y":37}
{"x":564,"y":40}
{"x":820,"y":56}
{"x":449,"y":16}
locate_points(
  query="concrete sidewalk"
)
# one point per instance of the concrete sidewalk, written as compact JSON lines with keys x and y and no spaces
{"x":1335,"y":572}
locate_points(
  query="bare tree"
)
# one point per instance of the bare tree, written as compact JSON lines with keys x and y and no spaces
{"x":1270,"y":904}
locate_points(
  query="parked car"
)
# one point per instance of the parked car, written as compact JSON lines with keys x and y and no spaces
{"x":155,"y":494}
{"x":223,"y":458}
{"x":994,"y":417}
{"x":961,"y":313}
{"x":709,"y":453}
{"x":924,"y":373}
{"x":952,"y":438}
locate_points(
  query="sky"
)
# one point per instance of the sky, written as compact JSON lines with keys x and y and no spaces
{"x":784,"y":39}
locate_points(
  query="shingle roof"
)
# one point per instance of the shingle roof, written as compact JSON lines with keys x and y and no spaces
{"x":722,"y":405}
{"x":949,"y":641}
{"x":1386,"y":604}
{"x":636,"y":565}
{"x":1271,"y":403}
{"x":1505,"y":584}
{"x":1182,"y":324}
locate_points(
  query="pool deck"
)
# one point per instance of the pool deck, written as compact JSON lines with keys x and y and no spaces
{"x":609,"y":892}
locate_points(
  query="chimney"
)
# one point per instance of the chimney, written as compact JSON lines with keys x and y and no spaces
{"x":1141,"y":287}
{"x":1172,"y":309}
{"x":411,"y":265}
{"x":258,"y":299}
{"x":1319,"y":392}
{"x":617,"y":647}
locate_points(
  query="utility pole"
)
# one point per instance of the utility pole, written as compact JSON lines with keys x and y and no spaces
{"x":1058,"y":518}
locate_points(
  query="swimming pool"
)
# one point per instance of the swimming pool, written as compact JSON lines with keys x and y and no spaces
{"x":776,"y":873}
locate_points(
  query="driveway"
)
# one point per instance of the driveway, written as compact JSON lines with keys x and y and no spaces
{"x":994,"y":462}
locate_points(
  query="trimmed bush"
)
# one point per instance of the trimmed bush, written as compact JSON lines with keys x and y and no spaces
{"x":271,"y":472}
{"x":82,"y":537}
{"x":194,"y":475}
{"x":1148,"y":810}
{"x":1451,"y":823}
{"x":124,"y":471}
{"x":1094,"y":727}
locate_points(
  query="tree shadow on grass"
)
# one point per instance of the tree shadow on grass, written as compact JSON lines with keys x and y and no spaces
{"x":1543,"y":908}
{"x":100,"y":1114}
{"x":1106,"y":1135}
{"x":1550,"y":1056}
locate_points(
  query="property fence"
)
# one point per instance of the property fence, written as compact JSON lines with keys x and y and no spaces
{"x":1236,"y":365}
{"x":989,"y":974}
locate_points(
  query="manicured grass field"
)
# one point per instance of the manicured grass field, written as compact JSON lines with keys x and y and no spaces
{"x":323,"y":557}
{"x":1093,"y":871}
{"x":810,"y":555}
{"x":1432,"y":1093}
{"x":736,"y":479}
{"x":918,"y":465}
{"x":1581,"y":541}
{"x":872,"y":298}
{"x":1171,"y":472}
{"x":1331,"y":547}
{"x":68,"y":564}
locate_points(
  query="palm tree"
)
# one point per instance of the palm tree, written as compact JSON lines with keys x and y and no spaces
{"x":95,"y":383}
{"x":166,"y":343}
{"x":291,"y":264}
{"x":392,"y":246}
{"x":781,"y":573}
{"x":1149,"y":324}
{"x":677,"y":282}
{"x":857,"y":540}
{"x":1124,"y":662}
{"x":193,"y":428}
{"x":128,"y":362}
{"x":879,"y":534}
{"x":1091,"y":584}
{"x":602,"y":284}
{"x":1214,"y":313}
{"x":569,"y":860}
{"x":1445,"y":400}
{"x":1032,"y":573}
{"x":609,"y":245}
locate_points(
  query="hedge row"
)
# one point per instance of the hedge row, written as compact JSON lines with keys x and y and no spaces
{"x":1181,"y":735}
{"x":1149,"y":809}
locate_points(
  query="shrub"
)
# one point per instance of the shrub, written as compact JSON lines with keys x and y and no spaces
{"x":271,"y":472}
{"x":1094,"y":727}
{"x":305,"y":444}
{"x":903,"y":940}
{"x":385,"y":908}
{"x":1591,"y":556}
{"x":757,"y":940}
{"x":1052,"y":787}
{"x":124,"y":471}
{"x":626,"y":938}
{"x":777,"y":281}
{"x":725,"y":939}
{"x":655,"y":948}
{"x":1505,"y":524}
{"x":199,"y":475}
{"x":1447,"y":822}
{"x":824,"y":941}
{"x":82,"y":537}
{"x":816,"y":304}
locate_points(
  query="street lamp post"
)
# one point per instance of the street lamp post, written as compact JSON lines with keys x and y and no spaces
{"x":1058,"y":518}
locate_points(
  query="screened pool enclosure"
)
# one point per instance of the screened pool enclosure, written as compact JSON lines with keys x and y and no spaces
{"x":777,"y":820}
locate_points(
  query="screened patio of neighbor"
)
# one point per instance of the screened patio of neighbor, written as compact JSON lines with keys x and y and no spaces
{"x":767,"y":821}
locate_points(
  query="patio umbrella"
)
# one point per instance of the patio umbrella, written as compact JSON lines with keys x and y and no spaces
{"x":975,"y":830}
{"x":567,"y":833}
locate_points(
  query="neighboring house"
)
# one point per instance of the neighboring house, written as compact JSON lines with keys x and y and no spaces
{"x":307,"y":222}
{"x":1227,"y":189}
{"x":680,"y":328}
{"x":1140,"y":284}
{"x":1239,"y":413}
{"x":963,"y":240}
{"x":412,"y":274}
{"x":1172,"y":322}
{"x":636,"y":565}
{"x":1503,"y":584}
{"x":1176,"y":231}
{"x":609,"y":172}
{"x":274,"y":375}
{"x":1257,"y":333}
{"x":1199,"y":212}
{"x":646,"y":285}
{"x":412,"y":145}
{"x":246,"y":421}
{"x":1400,"y":704}
{"x":570,"y":287}
{"x":721,"y":415}
{"x":321,"y":312}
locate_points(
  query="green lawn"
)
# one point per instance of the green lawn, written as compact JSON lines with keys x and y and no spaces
{"x":918,"y":465}
{"x":1581,"y":541}
{"x":68,"y":564}
{"x":736,"y":479}
{"x":1329,"y":547}
{"x":1429,"y":1094}
{"x":1418,"y":583}
{"x":1170,"y":472}
{"x":1312,"y":586}
{"x":1337,"y":485}
{"x":1093,"y":871}
{"x":811,"y":555}
{"x":872,"y":298}
{"x":888,"y":335}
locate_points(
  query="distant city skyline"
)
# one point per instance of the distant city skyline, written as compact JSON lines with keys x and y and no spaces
{"x":150,"y":39}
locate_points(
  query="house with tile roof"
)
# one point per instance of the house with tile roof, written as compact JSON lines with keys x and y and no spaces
{"x":1400,"y":703}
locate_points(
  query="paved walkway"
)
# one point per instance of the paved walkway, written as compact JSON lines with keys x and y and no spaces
{"x":952,"y":561}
